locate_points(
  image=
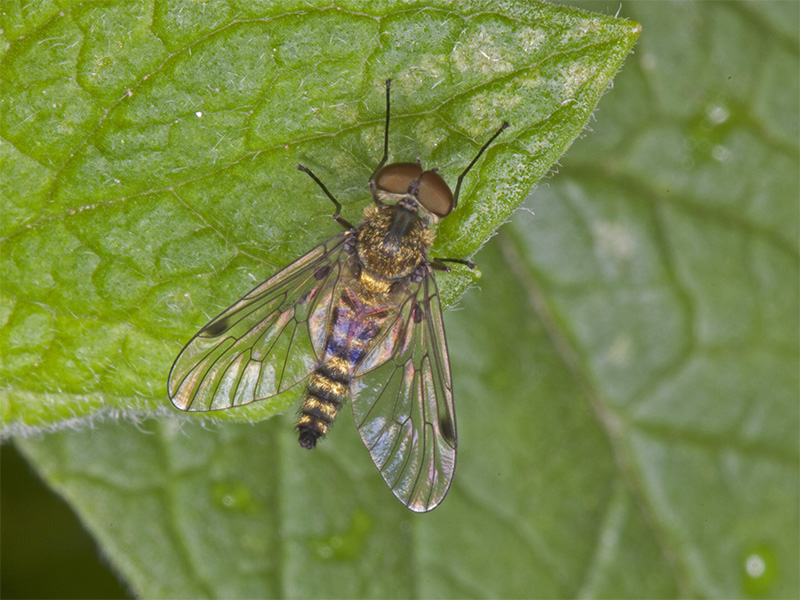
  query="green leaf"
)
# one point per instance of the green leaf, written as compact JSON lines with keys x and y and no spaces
{"x":626,"y":377}
{"x":150,"y":148}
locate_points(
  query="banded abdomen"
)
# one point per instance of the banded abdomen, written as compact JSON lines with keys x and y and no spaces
{"x":354,"y":326}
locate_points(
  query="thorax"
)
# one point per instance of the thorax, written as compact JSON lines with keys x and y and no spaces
{"x":391,"y":244}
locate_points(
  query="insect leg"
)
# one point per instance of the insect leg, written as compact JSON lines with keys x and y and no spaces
{"x":438,"y":263}
{"x":336,"y":215}
{"x":474,"y":160}
{"x":385,"y":136}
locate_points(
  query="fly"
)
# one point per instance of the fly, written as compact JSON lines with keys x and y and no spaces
{"x":362,"y":310}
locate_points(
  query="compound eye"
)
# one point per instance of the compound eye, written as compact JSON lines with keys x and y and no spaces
{"x":397,"y":178}
{"x":434,"y":194}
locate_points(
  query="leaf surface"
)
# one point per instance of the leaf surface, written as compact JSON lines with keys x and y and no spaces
{"x":626,"y":377}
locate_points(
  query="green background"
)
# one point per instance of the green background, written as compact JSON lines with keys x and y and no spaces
{"x":626,"y":373}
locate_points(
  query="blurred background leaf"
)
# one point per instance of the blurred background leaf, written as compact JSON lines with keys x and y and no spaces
{"x":626,"y":376}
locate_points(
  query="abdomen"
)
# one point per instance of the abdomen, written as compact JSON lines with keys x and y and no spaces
{"x":327,"y":390}
{"x":354,"y":326}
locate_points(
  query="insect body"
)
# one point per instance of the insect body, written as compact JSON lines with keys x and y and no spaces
{"x":362,"y":311}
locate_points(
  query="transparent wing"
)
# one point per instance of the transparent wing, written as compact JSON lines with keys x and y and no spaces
{"x":265,"y":343}
{"x":403,"y":402}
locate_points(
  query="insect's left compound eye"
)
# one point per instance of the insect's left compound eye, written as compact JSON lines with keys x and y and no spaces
{"x":396,"y":178}
{"x":433,"y":193}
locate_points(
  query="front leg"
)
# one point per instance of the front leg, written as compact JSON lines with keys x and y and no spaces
{"x":336,"y":215}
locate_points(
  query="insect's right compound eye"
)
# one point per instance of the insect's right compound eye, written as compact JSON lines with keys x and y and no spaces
{"x":434,"y":194}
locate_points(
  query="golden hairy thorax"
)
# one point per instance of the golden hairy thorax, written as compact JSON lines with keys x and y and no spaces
{"x":392,"y":242}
